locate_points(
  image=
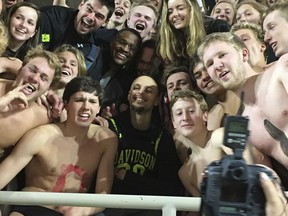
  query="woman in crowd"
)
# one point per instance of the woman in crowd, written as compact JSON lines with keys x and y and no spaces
{"x":181,"y":29}
{"x":250,"y":11}
{"x":224,"y":10}
{"x":23,"y":23}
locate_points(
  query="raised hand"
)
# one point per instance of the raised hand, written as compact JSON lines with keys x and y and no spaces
{"x":14,"y":99}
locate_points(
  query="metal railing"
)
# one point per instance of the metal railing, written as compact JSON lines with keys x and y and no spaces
{"x":169,"y":205}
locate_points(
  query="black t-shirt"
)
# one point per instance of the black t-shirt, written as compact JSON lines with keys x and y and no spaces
{"x":149,"y":157}
{"x":57,"y":28}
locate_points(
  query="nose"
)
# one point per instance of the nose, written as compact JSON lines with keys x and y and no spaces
{"x":267,"y":36}
{"x":242,"y":19}
{"x":218,"y":65}
{"x":206,"y":77}
{"x":85,"y":104}
{"x":186,"y":116}
{"x":34,"y":78}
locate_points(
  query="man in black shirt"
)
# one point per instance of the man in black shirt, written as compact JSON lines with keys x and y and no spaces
{"x":78,"y":27}
{"x":146,"y":162}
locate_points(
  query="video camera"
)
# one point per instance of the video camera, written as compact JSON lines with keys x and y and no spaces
{"x":230,"y":186}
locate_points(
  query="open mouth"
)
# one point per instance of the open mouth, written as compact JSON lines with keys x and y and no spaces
{"x":84,"y":116}
{"x":119,"y":13}
{"x":86,"y":24}
{"x":140,"y":27}
{"x":223,"y":74}
{"x":22,"y":31}
{"x":65,"y":73}
{"x":273,"y":45}
{"x":29,"y":89}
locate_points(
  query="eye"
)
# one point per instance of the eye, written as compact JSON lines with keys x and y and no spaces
{"x":44,"y":77}
{"x":197,"y":75}
{"x":99,"y":16}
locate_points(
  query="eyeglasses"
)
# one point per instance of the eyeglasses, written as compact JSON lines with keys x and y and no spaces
{"x":123,"y":42}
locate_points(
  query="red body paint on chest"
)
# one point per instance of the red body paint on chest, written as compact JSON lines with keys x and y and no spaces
{"x":61,"y":181}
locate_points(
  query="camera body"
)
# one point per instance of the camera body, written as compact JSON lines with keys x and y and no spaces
{"x":230,"y":186}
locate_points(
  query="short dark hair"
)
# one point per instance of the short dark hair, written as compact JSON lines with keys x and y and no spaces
{"x":109,"y":4}
{"x":168,"y":71}
{"x":133,"y":31}
{"x":85,"y":84}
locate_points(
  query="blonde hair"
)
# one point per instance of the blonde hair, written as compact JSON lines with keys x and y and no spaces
{"x":3,"y":38}
{"x":187,"y":93}
{"x":175,"y":43}
{"x":256,"y":29}
{"x":51,"y":57}
{"x":78,"y":54}
{"x":226,"y":37}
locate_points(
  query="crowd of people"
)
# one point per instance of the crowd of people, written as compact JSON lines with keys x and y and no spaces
{"x":130,"y":97}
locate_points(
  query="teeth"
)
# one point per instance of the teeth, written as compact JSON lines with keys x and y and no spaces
{"x":66,"y":73}
{"x":21,"y":31}
{"x":84,"y":115}
{"x":121,"y":55}
{"x":31,"y":88}
{"x":86,"y":24}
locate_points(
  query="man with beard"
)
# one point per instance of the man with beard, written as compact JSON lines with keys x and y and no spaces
{"x":143,"y":17}
{"x":226,"y":59}
{"x":18,"y":110}
{"x":118,"y":70}
{"x":146,"y":162}
{"x":78,"y":27}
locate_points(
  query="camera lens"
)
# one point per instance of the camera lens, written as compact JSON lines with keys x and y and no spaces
{"x":238,"y":173}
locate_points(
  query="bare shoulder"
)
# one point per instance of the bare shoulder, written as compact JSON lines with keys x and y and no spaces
{"x":46,"y":130}
{"x":101,"y":133}
{"x":217,"y":135}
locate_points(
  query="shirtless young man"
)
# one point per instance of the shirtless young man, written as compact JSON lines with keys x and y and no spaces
{"x":265,"y":95}
{"x":66,"y":157}
{"x":18,"y":110}
{"x":189,"y":113}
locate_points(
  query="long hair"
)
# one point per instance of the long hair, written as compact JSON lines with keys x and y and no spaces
{"x":31,"y":42}
{"x":177,"y":43}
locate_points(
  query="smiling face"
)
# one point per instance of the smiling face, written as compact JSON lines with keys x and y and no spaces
{"x":91,"y":16}
{"x":224,"y":64}
{"x":178,"y":13}
{"x":143,"y":94}
{"x":121,"y":12}
{"x":22,"y":24}
{"x":275,"y":27}
{"x":204,"y":81}
{"x":124,"y":47}
{"x":248,"y":13}
{"x":38,"y":74}
{"x":188,"y":119}
{"x":142,"y":19}
{"x":82,"y":108}
{"x":69,"y":65}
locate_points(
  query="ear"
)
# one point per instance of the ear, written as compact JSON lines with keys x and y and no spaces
{"x":263,"y":47}
{"x":245,"y":54}
{"x":205,"y":117}
{"x":81,"y":5}
{"x":105,"y":23}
